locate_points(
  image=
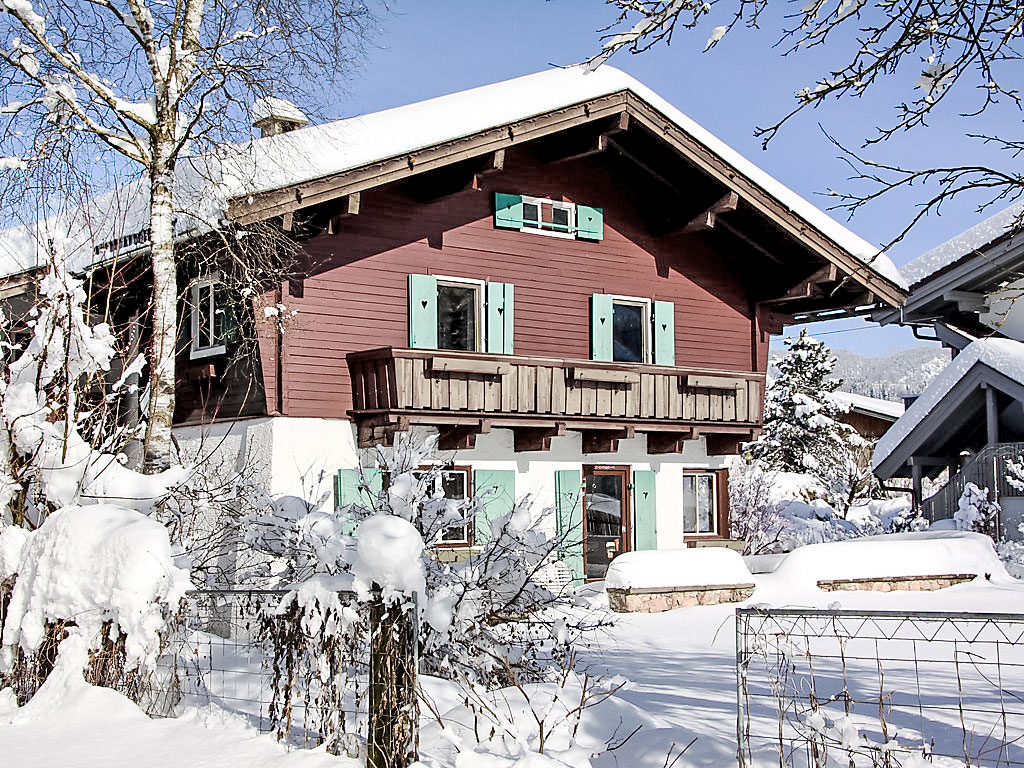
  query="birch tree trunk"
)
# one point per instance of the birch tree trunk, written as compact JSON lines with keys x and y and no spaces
{"x":159,"y":448}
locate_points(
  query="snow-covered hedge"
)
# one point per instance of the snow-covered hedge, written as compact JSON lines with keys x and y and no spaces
{"x":92,"y":565}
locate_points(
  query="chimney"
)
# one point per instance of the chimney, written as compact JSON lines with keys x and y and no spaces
{"x":273,"y":116}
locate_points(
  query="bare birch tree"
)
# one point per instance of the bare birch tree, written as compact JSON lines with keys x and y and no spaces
{"x":137,"y":85}
{"x":952,"y":46}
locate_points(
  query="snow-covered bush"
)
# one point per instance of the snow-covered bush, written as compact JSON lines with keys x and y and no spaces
{"x":45,"y":403}
{"x":488,"y":618}
{"x":755,"y":516}
{"x":801,"y":430}
{"x":975,"y":512}
{"x":101,"y":573}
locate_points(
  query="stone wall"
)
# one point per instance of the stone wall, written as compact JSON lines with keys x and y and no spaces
{"x":896,"y":583}
{"x":665,"y":599}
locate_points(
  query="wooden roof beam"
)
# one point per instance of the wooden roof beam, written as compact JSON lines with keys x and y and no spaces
{"x":809,"y":287}
{"x":707,"y":218}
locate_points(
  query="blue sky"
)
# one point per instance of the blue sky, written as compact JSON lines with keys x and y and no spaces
{"x":428,"y":48}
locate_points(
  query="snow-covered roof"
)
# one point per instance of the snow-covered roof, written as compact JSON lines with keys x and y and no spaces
{"x":1003,"y":355}
{"x":269,"y":108}
{"x":964,"y":244}
{"x":872,"y":405}
{"x":265,"y":164}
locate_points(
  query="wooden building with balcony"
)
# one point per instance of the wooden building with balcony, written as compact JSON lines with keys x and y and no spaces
{"x":568,"y":280}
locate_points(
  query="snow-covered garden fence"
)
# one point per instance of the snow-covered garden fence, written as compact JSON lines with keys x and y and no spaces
{"x":879,"y":688}
{"x":293,"y":663}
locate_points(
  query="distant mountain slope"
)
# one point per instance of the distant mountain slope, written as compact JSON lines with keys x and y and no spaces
{"x":906,"y":372}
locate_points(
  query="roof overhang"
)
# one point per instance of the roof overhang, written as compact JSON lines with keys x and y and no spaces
{"x":295,"y":197}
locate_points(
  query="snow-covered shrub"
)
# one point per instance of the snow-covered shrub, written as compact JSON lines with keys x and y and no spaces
{"x":755,"y":516}
{"x":101,"y":573}
{"x":801,"y":430}
{"x":561,"y":724}
{"x":45,"y":403}
{"x":975,"y":512}
{"x":487,"y":618}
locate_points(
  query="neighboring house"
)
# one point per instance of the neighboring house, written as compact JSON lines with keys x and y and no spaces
{"x":970,"y":420}
{"x":870,"y":416}
{"x":562,"y":275}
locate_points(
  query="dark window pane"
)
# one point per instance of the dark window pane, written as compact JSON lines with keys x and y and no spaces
{"x":628,"y":333}
{"x":603,"y":504}
{"x":560,"y":219}
{"x":531,"y":215}
{"x":453,"y":485}
{"x":205,"y":331}
{"x":456,"y":317}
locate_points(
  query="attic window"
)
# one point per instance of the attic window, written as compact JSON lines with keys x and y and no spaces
{"x":549,"y":216}
{"x":543,"y":216}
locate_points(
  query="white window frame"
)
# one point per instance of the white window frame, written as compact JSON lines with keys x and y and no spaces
{"x":197,"y":352}
{"x":481,"y":308}
{"x":697,"y":472}
{"x":570,"y":208}
{"x":438,"y":480}
{"x":648,"y":323}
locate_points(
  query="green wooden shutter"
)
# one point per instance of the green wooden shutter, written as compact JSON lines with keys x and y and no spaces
{"x":228,"y":330}
{"x":569,"y":516}
{"x":499,"y":489}
{"x":601,"y":327}
{"x":500,"y":317}
{"x":664,"y":333}
{"x":589,"y":223}
{"x":422,"y":311}
{"x":645,"y":510}
{"x":354,"y":486}
{"x":508,"y":211}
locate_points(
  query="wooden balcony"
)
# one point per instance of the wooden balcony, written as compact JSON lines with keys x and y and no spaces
{"x":465,"y":394}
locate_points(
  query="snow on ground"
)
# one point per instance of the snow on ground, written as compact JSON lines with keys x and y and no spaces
{"x":680,"y":667}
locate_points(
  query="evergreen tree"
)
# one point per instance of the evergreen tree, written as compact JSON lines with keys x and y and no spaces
{"x":801,"y":429}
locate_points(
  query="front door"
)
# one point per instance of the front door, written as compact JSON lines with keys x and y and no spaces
{"x":606,"y":521}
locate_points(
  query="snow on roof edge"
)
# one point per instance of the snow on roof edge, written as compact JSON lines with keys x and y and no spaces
{"x":962,"y":245}
{"x":871,"y":404}
{"x":273,"y":162}
{"x":1003,"y":355}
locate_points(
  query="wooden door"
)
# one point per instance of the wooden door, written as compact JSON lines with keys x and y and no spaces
{"x":606,"y":517}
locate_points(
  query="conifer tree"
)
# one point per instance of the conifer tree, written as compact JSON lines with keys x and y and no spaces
{"x":802,"y":432}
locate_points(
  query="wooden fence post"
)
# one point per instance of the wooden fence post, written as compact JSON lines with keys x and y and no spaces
{"x":391,"y":741}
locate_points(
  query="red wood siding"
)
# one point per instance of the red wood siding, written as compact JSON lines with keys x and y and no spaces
{"x":356,"y":295}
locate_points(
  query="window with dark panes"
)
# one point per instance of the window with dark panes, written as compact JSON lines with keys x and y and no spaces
{"x":208,"y":318}
{"x":550,"y":216}
{"x":458,"y":316}
{"x":699,"y":503}
{"x":629,"y":332}
{"x":455,"y":486}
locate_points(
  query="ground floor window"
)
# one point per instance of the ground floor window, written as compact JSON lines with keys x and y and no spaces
{"x":453,"y":483}
{"x":700,"y":503}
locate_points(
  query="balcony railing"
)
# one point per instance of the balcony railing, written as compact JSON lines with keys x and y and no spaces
{"x":464,"y":394}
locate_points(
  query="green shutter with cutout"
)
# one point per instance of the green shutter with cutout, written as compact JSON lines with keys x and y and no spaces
{"x":664,"y":333}
{"x":645,"y":510}
{"x":589,"y":223}
{"x":508,"y":211}
{"x":356,"y":486}
{"x":422,"y":311}
{"x":500,"y":317}
{"x":601,"y":327}
{"x":569,"y":519}
{"x":497,"y":487}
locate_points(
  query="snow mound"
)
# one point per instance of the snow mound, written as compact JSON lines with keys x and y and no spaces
{"x":388,"y":554}
{"x":929,"y":553}
{"x":691,"y":567}
{"x":95,"y":564}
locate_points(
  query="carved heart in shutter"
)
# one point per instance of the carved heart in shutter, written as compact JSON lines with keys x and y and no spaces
{"x":603,"y":319}
{"x":664,"y":326}
{"x":501,"y":310}
{"x":424,"y":303}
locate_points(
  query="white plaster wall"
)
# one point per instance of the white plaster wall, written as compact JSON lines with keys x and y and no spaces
{"x":300,"y":456}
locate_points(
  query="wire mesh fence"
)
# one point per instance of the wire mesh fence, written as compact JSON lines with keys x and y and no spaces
{"x":299,"y":674}
{"x":879,"y":688}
